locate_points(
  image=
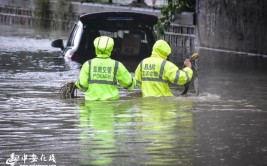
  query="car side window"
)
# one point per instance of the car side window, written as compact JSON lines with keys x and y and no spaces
{"x":72,"y":36}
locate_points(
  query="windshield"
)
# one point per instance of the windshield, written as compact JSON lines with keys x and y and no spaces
{"x":127,"y":43}
{"x":121,"y":34}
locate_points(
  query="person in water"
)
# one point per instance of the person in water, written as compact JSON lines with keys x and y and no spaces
{"x":99,"y":77}
{"x":155,"y":72}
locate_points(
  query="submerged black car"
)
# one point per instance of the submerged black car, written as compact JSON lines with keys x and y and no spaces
{"x":133,"y":35}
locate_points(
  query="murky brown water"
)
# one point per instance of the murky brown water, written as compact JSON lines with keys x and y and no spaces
{"x":224,"y":125}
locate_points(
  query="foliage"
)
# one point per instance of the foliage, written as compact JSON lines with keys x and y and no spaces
{"x":41,"y":13}
{"x":63,"y":10}
{"x":169,"y":11}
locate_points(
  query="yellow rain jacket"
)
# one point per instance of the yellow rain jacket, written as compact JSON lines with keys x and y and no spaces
{"x":154,"y":73}
{"x":99,"y":77}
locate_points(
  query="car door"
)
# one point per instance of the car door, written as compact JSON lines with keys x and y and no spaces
{"x":73,"y":42}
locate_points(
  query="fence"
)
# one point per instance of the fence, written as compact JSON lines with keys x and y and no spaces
{"x":182,"y":41}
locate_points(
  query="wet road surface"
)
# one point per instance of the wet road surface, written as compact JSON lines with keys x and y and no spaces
{"x":224,"y":125}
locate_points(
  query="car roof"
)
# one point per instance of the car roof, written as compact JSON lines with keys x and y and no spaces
{"x":118,"y":20}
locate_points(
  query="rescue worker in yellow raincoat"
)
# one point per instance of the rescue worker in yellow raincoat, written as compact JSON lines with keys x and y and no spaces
{"x":99,"y":77}
{"x":155,"y":72}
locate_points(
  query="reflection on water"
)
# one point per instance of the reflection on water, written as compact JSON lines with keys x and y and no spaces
{"x":224,"y":125}
{"x":130,"y":129}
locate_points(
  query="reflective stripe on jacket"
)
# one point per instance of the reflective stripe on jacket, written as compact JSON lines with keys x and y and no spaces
{"x":99,"y":79}
{"x":99,"y":76}
{"x":154,"y":73}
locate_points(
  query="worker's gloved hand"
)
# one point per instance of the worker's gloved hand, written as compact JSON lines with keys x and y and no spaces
{"x":187,"y":63}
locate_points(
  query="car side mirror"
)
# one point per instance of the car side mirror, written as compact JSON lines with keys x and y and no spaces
{"x":58,"y":44}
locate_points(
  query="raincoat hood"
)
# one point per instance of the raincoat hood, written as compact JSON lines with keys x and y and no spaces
{"x":161,"y":49}
{"x":103,"y":46}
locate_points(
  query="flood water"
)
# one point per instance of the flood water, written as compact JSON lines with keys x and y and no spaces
{"x":224,"y":125}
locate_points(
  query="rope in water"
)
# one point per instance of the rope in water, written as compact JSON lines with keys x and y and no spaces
{"x":68,"y":91}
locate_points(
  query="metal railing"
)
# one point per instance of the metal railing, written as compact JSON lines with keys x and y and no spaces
{"x":182,"y":41}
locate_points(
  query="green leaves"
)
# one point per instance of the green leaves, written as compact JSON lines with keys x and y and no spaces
{"x":168,"y":12}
